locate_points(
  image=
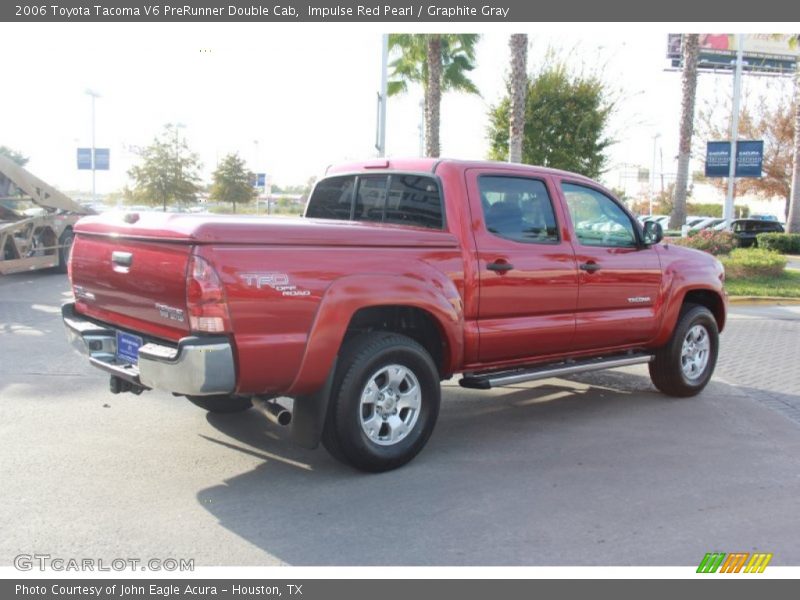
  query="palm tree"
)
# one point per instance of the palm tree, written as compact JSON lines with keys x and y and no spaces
{"x":793,"y":218}
{"x":689,"y":83}
{"x":439,"y":63}
{"x":518,"y":44}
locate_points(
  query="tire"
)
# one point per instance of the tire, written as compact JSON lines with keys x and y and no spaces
{"x":683,"y":367}
{"x":221,"y":404}
{"x":384,"y":402}
{"x":64,"y":248}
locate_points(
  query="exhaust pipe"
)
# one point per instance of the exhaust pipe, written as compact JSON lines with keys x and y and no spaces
{"x":276,"y":413}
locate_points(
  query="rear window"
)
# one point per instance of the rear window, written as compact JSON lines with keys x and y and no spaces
{"x":404,"y":199}
{"x":332,"y":199}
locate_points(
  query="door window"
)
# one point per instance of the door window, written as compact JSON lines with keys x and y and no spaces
{"x":597,"y":219}
{"x":518,"y":209}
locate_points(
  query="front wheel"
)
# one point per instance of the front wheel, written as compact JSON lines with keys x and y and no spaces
{"x":683,"y":367}
{"x":384,"y":403}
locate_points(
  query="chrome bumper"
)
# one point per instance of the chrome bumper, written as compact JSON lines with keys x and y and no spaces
{"x":199,"y":366}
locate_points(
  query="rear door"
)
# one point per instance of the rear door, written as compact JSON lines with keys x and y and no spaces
{"x":528,"y":276}
{"x":620,"y":279}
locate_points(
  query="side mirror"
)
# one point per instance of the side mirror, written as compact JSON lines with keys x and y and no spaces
{"x":653,"y":233}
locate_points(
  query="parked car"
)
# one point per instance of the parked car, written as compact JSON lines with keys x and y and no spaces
{"x":401,"y":274}
{"x":707,"y":223}
{"x":746,"y":230}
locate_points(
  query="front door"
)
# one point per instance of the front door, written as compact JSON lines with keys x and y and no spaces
{"x":528,"y":274}
{"x":620,"y":278}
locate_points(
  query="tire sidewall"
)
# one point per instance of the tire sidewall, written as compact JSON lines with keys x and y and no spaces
{"x":358,"y":447}
{"x":696,"y":316}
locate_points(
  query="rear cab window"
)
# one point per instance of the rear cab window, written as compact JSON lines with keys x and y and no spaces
{"x":397,"y":198}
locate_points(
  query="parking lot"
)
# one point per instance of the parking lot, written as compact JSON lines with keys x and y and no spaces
{"x":597,"y":469}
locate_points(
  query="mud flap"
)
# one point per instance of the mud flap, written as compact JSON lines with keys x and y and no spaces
{"x":309,"y":412}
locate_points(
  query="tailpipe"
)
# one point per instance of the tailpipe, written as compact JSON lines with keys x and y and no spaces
{"x":276,"y":413}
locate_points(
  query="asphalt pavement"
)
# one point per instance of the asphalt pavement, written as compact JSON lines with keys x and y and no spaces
{"x":597,"y":469}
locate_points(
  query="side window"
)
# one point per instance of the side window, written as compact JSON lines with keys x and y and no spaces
{"x":332,"y":199}
{"x":598,"y":220}
{"x":414,"y":200}
{"x":518,"y":209}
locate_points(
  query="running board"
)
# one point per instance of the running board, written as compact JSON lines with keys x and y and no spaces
{"x":500,"y":378}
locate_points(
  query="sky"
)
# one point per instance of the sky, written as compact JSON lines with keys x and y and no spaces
{"x":292,"y":99}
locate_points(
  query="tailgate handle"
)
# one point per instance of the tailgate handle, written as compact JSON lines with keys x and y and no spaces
{"x":123,"y":259}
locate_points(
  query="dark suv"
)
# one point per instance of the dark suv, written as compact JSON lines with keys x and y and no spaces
{"x":746,"y":230}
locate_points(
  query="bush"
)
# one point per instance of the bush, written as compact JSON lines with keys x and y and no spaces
{"x":743,"y":263}
{"x":785,"y":243}
{"x":707,"y":240}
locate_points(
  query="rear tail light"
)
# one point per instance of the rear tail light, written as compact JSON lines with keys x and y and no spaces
{"x":205,"y":298}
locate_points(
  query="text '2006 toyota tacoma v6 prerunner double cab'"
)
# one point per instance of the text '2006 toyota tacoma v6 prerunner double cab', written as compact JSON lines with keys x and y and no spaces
{"x":402,"y":274}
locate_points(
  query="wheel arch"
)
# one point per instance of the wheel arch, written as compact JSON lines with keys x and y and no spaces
{"x":427,"y":310}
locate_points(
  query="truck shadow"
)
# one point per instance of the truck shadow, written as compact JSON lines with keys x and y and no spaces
{"x":495,"y":465}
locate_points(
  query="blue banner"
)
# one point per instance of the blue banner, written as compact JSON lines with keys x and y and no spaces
{"x":749,"y":158}
{"x":85,"y":158}
{"x":102,"y":159}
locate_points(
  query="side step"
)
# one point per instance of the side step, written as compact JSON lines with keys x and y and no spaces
{"x":485,"y":381}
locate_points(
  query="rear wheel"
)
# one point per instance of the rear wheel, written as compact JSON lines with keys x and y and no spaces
{"x":384,"y":403}
{"x":221,"y":403}
{"x":683,"y":367}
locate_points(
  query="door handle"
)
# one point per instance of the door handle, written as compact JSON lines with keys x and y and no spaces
{"x":500,"y":267}
{"x":123,"y":259}
{"x":590,"y":267}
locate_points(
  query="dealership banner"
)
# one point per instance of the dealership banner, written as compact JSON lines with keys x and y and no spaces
{"x":387,"y":11}
{"x":749,"y":158}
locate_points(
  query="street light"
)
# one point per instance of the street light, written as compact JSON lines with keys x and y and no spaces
{"x":94,"y":96}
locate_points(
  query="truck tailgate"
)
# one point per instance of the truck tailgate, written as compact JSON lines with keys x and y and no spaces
{"x":134,"y":284}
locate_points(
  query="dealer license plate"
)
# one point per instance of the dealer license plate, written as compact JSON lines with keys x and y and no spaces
{"x":128,"y":347}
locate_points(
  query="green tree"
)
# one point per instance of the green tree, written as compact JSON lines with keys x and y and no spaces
{"x":5,"y":182}
{"x":232,"y":182}
{"x":566,"y":116}
{"x":691,"y":52}
{"x":168,"y":172}
{"x":518,"y":88}
{"x":437,"y":62}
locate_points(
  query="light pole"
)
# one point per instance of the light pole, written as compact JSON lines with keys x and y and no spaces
{"x":178,"y":127}
{"x":94,"y":95}
{"x":653,"y":173}
{"x":255,"y":173}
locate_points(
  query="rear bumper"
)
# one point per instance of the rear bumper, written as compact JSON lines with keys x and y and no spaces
{"x":198,"y":366}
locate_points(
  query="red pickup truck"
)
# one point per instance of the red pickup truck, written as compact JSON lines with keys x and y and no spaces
{"x":401,"y":274}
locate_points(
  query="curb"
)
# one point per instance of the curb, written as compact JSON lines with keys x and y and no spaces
{"x":777,"y":300}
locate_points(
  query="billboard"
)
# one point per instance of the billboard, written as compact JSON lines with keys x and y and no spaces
{"x":749,"y":158}
{"x":762,"y":52}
